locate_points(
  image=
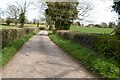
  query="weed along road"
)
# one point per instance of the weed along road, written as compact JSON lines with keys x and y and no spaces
{"x":41,"y":58}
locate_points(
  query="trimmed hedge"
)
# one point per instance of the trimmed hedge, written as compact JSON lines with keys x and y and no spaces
{"x":106,"y":68}
{"x":11,"y":48}
{"x":108,"y":46}
{"x":10,"y":35}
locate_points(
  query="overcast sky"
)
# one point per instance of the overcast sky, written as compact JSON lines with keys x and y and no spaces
{"x":102,"y":11}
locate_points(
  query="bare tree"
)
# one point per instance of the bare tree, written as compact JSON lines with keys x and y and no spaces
{"x":41,"y":6}
{"x":1,"y":12}
{"x":23,"y":6}
{"x":84,"y":9}
{"x":13,"y":11}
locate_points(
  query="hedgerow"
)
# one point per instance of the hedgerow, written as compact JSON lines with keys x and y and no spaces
{"x":12,"y":47}
{"x":10,"y":35}
{"x":106,"y":45}
{"x":106,"y":68}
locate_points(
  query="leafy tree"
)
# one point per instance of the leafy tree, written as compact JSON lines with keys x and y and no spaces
{"x":22,"y":19}
{"x":49,"y":22}
{"x":9,"y":20}
{"x":111,"y":25}
{"x":117,"y":9}
{"x":78,"y":23}
{"x":62,"y":14}
{"x":98,"y":25}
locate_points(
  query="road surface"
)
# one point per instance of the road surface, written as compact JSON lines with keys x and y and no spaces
{"x":41,"y":58}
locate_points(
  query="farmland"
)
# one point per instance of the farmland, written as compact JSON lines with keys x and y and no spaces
{"x":92,"y":30}
{"x":12,"y":25}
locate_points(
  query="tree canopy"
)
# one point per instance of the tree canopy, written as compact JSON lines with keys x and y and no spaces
{"x":117,"y":8}
{"x":62,"y":14}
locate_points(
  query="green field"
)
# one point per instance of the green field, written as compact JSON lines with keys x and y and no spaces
{"x":73,"y":28}
{"x":12,"y":25}
{"x":92,"y":30}
{"x":6,"y":27}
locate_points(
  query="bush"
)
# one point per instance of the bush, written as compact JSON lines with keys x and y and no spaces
{"x":107,"y":68}
{"x":10,"y":35}
{"x":117,"y":32}
{"x":11,"y":48}
{"x":97,"y":25}
{"x":108,"y":46}
{"x":9,"y":20}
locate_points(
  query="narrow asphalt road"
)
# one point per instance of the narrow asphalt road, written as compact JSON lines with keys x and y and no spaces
{"x":41,"y":58}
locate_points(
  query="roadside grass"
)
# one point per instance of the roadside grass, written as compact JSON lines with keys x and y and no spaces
{"x":92,"y":30}
{"x":106,"y":68}
{"x":10,"y":50}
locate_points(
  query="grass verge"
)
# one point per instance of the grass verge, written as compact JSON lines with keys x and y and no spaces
{"x":106,"y":68}
{"x":10,"y":50}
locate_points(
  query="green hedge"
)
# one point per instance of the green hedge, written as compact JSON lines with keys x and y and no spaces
{"x":106,"y":68}
{"x":117,"y":32}
{"x":108,"y":46}
{"x":10,"y":35}
{"x":10,"y":50}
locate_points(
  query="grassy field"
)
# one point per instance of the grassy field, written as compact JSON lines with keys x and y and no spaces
{"x":73,"y":28}
{"x":12,"y":25}
{"x":92,"y":30}
{"x":6,"y":27}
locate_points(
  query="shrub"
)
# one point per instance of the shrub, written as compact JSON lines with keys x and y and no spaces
{"x":106,"y":68}
{"x":9,"y":20}
{"x":108,"y":46}
{"x":117,"y":32}
{"x":11,"y":48}
{"x":111,"y":25}
{"x":97,"y":25}
{"x":9,"y":35}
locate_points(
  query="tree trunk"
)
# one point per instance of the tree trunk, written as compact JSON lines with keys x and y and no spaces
{"x":15,"y":23}
{"x":21,"y":25}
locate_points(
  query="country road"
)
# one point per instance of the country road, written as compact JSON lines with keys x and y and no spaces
{"x":41,"y":58}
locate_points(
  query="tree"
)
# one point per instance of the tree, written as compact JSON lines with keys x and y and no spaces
{"x":62,"y":14}
{"x":35,"y":21}
{"x":78,"y":23}
{"x":22,"y":19}
{"x":117,"y":9}
{"x":9,"y":20}
{"x":23,"y":6}
{"x":84,"y":9}
{"x":111,"y":25}
{"x":49,"y":22}
{"x":13,"y":11}
{"x":97,"y":25}
{"x":1,"y":12}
